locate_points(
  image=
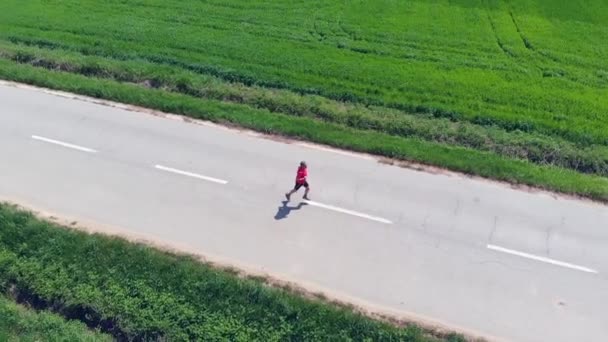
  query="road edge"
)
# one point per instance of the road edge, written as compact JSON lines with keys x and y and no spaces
{"x":300,"y":287}
{"x":418,"y":167}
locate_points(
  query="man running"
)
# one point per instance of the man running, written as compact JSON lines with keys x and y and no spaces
{"x":300,"y":182}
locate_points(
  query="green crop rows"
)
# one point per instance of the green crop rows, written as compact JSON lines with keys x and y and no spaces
{"x":501,"y":85}
{"x":134,"y":292}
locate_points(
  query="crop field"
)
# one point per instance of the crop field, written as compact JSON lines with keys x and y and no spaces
{"x":512,"y":90}
{"x":132,"y":292}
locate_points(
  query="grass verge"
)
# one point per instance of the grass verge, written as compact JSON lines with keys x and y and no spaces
{"x":135,"y":292}
{"x":18,"y":323}
{"x":469,"y":161}
{"x":516,"y":144}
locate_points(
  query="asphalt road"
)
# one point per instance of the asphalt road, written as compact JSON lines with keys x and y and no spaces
{"x":470,"y":253}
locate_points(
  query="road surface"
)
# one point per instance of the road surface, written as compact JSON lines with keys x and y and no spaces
{"x":470,"y":253}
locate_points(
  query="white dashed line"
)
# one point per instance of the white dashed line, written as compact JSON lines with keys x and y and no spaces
{"x":190,"y":174}
{"x":541,"y":259}
{"x":64,"y":144}
{"x":349,"y":212}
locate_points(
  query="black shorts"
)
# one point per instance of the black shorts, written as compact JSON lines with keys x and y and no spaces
{"x":299,"y":185}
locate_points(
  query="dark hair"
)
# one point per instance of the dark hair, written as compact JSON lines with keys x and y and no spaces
{"x":303,"y":163}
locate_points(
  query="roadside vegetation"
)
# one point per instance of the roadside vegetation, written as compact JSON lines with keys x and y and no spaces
{"x":134,"y":292}
{"x":18,"y":323}
{"x":515,"y":91}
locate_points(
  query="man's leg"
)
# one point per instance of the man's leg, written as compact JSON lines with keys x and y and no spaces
{"x":296,"y":188}
{"x":306,"y":191}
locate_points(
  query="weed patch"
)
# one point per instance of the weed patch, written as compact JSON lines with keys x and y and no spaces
{"x":24,"y":323}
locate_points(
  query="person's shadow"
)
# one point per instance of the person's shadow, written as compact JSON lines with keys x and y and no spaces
{"x":284,"y":210}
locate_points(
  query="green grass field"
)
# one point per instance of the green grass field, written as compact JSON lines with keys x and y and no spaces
{"x":19,"y":324}
{"x":513,"y":90}
{"x":136,"y":293}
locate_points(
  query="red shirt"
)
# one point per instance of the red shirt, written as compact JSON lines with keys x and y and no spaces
{"x":301,"y":176}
